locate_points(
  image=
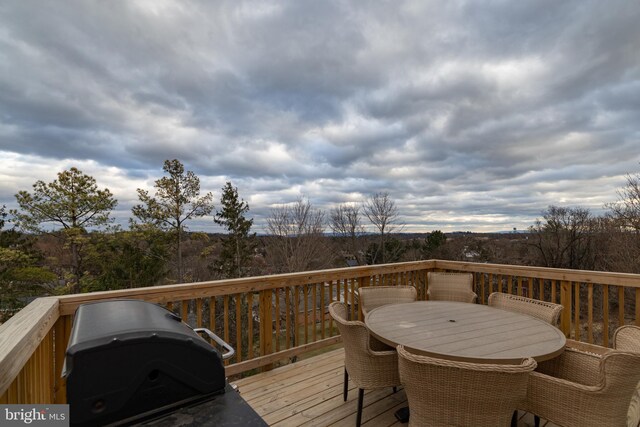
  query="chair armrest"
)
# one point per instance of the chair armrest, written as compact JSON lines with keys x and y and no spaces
{"x":573,"y":365}
{"x":587,"y":348}
{"x":545,"y":382}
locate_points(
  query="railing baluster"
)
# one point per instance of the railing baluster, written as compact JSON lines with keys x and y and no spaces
{"x":226,"y":320}
{"x":637,"y":292}
{"x":238,"y":326}
{"x":277,"y":314}
{"x":576,"y":311}
{"x":322,"y":309}
{"x":287,"y":303}
{"x":605,"y":315}
{"x":250,"y":327}
{"x":565,"y":300}
{"x":199,"y":312}
{"x":590,"y":313}
{"x":620,"y":306}
{"x":541,"y":289}
{"x":184,"y":311}
{"x":305,"y":292}
{"x":212,"y":314}
{"x":314,"y":303}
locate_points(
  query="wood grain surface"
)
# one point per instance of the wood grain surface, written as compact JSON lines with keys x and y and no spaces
{"x":465,"y":332}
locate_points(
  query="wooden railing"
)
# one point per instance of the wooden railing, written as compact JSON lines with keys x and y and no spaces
{"x":276,"y":319}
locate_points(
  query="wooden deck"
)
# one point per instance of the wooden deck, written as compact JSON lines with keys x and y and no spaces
{"x":309,"y":393}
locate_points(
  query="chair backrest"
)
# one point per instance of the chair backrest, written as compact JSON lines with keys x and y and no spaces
{"x":543,"y":310}
{"x":621,"y":371}
{"x":371,"y":297}
{"x":451,"y":287}
{"x":367,"y":368}
{"x":627,"y":338}
{"x":444,"y":392}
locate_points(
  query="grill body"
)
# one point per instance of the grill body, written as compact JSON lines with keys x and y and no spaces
{"x":128,"y":357}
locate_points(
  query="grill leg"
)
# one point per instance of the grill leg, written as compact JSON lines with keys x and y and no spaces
{"x":514,"y":419}
{"x":346,"y":384}
{"x":395,"y":389}
{"x":536,"y":420}
{"x":360,"y":399}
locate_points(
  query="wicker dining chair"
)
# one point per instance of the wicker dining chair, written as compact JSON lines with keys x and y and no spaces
{"x":451,"y":287}
{"x":450,"y":393}
{"x":371,"y":297}
{"x":367,"y":367}
{"x":543,"y":310}
{"x":587,"y":385}
{"x":627,"y":338}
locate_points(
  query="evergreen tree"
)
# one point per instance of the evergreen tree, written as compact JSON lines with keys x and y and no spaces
{"x":238,"y":245}
{"x":177,"y":200}
{"x":434,"y":240}
{"x":21,"y":276}
{"x":126,"y":259}
{"x":74,"y":202}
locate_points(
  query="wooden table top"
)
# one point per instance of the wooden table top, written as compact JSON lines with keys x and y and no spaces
{"x":465,"y":332}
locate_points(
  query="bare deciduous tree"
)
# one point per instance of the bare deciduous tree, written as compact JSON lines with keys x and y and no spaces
{"x":297,"y":241}
{"x":627,"y":209}
{"x":383,"y":214}
{"x":624,"y":231}
{"x":346,"y":222}
{"x":565,"y":238}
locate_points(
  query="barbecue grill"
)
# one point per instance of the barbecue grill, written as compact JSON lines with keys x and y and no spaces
{"x":130,"y":361}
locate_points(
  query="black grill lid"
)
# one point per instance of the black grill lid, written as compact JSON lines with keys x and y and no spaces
{"x":126,"y":357}
{"x":98,"y":324}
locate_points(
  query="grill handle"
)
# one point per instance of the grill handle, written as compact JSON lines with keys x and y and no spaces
{"x":230,"y":351}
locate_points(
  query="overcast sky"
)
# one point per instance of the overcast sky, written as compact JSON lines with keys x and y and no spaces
{"x":472,"y":115}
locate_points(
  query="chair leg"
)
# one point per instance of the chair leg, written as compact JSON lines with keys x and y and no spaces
{"x":514,"y":419}
{"x":360,"y":399}
{"x":536,"y":421}
{"x":395,"y":389}
{"x":346,"y":384}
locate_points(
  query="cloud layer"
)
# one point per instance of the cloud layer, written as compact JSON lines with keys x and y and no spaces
{"x":473,"y":116}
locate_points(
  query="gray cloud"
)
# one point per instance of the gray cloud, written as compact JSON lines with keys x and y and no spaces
{"x":471,"y":115}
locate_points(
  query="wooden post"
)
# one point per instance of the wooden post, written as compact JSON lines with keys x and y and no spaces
{"x":565,"y":300}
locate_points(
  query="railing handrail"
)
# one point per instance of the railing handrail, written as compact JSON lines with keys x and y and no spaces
{"x":166,"y":293}
{"x":583,"y":276}
{"x":21,"y":335}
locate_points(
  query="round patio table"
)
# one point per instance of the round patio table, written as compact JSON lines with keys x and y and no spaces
{"x":465,"y":332}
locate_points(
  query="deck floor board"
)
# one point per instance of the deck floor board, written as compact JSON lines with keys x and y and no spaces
{"x":309,"y":393}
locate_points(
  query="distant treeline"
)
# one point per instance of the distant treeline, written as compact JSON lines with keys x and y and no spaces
{"x":158,"y":249}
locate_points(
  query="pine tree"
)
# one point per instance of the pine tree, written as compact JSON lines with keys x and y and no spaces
{"x":238,"y":245}
{"x":177,"y":200}
{"x":74,"y":202}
